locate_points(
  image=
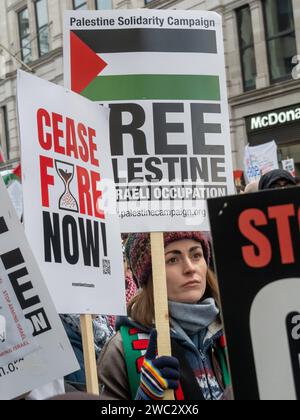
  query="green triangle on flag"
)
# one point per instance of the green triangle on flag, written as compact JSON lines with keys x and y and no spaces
{"x":10,"y":178}
{"x":13,"y":175}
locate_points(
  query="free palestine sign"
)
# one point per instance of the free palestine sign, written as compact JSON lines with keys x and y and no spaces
{"x":162,"y":75}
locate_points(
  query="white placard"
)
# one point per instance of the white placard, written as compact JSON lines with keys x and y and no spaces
{"x":260,"y":159}
{"x":69,"y":198}
{"x":15,"y":192}
{"x":289,"y":166}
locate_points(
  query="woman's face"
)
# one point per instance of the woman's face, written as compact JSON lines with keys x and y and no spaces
{"x":186,"y":271}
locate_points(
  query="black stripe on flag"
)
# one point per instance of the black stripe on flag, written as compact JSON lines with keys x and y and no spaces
{"x":150,"y":40}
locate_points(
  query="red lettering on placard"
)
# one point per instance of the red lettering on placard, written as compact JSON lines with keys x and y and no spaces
{"x":259,"y":254}
{"x":58,"y":133}
{"x":44,"y":120}
{"x":93,"y":146}
{"x":89,"y":194}
{"x":83,"y":149}
{"x":84,"y":191}
{"x":66,"y":137}
{"x":97,"y":195}
{"x":282,"y":216}
{"x":46,"y":179}
{"x":71,"y":141}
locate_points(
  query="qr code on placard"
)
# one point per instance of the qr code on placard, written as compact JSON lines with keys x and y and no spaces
{"x":106,"y":267}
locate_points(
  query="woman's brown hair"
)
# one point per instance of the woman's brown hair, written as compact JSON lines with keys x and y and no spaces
{"x":141,"y":307}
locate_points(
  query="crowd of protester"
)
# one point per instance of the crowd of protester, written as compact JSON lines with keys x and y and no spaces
{"x":198,"y":368}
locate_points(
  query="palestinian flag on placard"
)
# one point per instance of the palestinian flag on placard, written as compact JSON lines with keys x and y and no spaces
{"x":15,"y":175}
{"x":144,"y":64}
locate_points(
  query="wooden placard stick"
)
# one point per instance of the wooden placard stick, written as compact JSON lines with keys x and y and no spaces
{"x":87,"y":333}
{"x":161,"y":300}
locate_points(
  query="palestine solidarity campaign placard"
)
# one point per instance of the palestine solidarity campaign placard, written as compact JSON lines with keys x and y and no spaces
{"x":69,"y":198}
{"x":162,"y":74}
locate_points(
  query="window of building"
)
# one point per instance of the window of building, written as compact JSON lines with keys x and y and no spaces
{"x":24,"y":33}
{"x":280,"y":37}
{"x":4,"y":138}
{"x":246,"y":43}
{"x":80,"y":5}
{"x":42,"y":25}
{"x":103,"y":4}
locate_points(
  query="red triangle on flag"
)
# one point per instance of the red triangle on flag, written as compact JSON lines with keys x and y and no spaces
{"x":85,"y":64}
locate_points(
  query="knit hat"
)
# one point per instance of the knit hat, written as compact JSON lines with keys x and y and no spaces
{"x":138,"y":251}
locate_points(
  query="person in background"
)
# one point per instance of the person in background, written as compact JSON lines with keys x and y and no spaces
{"x":102,"y":333}
{"x":278,"y":178}
{"x":252,"y":187}
{"x":103,"y":330}
{"x":129,"y":368}
{"x":130,"y":288}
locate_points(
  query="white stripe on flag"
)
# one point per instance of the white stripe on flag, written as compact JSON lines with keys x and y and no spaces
{"x":159,"y":63}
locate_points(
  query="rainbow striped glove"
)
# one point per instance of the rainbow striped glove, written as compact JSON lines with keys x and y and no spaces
{"x":158,"y":374}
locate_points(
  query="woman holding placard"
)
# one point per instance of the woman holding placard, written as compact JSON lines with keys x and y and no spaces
{"x":128,"y":367}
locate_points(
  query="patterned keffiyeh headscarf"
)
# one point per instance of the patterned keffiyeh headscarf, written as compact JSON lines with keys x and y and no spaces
{"x":102,"y":329}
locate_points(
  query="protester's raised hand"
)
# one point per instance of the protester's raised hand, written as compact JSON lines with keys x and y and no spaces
{"x":158,"y":373}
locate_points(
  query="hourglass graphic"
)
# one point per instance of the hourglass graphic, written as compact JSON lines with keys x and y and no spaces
{"x":66,"y":173}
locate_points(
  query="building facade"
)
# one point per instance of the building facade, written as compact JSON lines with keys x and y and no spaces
{"x":262,"y":47}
